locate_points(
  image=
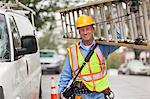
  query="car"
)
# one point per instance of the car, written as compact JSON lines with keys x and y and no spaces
{"x":20,"y":68}
{"x":122,"y":69}
{"x":148,"y":66}
{"x":134,"y":67}
{"x":50,"y":61}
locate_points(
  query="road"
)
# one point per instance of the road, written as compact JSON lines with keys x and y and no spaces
{"x":124,"y":87}
{"x":130,"y":87}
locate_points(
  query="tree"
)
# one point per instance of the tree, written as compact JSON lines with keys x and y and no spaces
{"x":45,"y":11}
{"x":45,"y":18}
{"x":114,"y":60}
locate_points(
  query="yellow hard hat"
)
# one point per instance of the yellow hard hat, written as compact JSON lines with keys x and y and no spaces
{"x":84,"y":20}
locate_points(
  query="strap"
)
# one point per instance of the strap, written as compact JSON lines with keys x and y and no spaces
{"x":87,"y":58}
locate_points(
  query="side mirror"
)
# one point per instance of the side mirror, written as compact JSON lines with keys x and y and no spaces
{"x":28,"y":45}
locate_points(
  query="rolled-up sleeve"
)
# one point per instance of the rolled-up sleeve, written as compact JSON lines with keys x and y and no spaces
{"x":65,"y":76}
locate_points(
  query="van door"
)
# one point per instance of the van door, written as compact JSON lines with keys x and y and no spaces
{"x":32,"y":60}
{"x":4,"y":58}
{"x":22,"y":83}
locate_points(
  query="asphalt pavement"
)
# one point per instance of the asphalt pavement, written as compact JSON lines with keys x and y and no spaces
{"x":130,"y":87}
{"x":124,"y":86}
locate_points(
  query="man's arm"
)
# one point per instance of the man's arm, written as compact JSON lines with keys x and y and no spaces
{"x":107,"y":49}
{"x":66,"y":76}
{"x":112,"y":48}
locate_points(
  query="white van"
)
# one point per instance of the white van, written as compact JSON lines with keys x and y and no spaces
{"x":20,"y":70}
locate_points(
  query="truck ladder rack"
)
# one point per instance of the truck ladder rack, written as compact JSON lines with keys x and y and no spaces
{"x":16,"y":4}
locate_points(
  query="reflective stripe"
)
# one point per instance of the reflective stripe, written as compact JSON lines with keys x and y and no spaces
{"x":100,"y":55}
{"x":91,"y":73}
{"x":74,"y":59}
{"x":70,"y":59}
{"x":74,"y":56}
{"x":95,"y":76}
{"x":77,"y":66}
{"x":70,"y":56}
{"x":99,"y":75}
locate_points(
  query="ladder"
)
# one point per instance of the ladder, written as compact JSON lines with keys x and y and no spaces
{"x":128,"y":18}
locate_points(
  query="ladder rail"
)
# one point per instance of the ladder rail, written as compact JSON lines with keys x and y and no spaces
{"x":86,"y":5}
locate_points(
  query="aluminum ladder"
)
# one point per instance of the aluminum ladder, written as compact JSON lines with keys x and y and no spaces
{"x":128,"y":18}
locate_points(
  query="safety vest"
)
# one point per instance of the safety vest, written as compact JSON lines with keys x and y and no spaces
{"x":94,"y":74}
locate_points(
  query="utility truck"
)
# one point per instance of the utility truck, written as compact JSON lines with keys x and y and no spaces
{"x":20,"y":70}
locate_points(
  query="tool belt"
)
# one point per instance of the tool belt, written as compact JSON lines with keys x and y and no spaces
{"x":81,"y":89}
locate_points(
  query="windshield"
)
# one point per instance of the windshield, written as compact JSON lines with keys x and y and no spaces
{"x":136,"y":63}
{"x":4,"y":49}
{"x":47,"y":54}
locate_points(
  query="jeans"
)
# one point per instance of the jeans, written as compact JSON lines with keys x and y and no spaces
{"x":93,"y":95}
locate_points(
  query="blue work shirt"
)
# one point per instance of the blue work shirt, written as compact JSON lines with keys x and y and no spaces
{"x":66,"y":74}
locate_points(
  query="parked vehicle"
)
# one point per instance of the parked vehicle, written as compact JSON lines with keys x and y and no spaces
{"x":122,"y":69}
{"x":20,"y":70}
{"x":50,"y":61}
{"x":134,"y":67}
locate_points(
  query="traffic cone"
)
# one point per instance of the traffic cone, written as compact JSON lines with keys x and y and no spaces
{"x":54,"y":94}
{"x":78,"y":97}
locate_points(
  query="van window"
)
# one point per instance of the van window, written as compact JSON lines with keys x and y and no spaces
{"x":4,"y":40}
{"x":24,"y":25}
{"x":15,"y":33}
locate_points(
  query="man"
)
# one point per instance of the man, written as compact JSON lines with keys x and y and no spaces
{"x":93,"y":78}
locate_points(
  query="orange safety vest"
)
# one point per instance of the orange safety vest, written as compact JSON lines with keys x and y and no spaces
{"x":94,"y":74}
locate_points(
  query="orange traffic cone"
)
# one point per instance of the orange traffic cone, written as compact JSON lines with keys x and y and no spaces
{"x":54,"y":94}
{"x":78,"y":97}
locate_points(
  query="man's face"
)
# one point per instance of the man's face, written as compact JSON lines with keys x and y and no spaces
{"x":86,"y":33}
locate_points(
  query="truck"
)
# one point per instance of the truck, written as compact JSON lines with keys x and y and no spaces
{"x":20,"y":70}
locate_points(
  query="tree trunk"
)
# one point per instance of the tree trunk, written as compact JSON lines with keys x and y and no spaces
{"x":137,"y":53}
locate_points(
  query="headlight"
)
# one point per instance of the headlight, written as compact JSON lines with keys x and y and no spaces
{"x":1,"y":93}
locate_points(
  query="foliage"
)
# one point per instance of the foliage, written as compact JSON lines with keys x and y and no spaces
{"x":45,"y":11}
{"x":45,"y":18}
{"x":114,"y":60}
{"x":45,"y":42}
